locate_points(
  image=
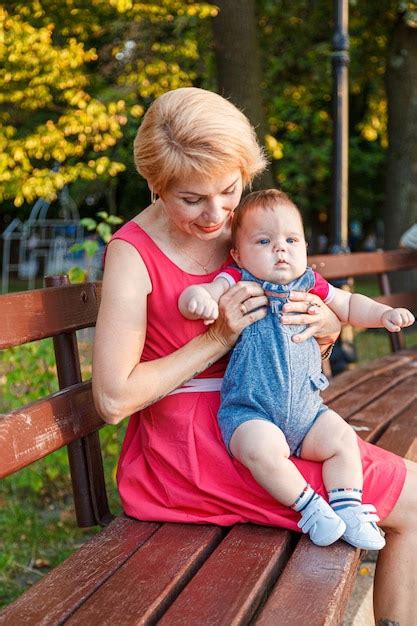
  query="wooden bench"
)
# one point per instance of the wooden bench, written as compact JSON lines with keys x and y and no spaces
{"x":381,"y":264}
{"x":135,"y":572}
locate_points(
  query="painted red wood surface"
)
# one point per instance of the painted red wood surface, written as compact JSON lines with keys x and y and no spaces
{"x":33,"y":431}
{"x":363,"y":263}
{"x":69,"y":585}
{"x":141,"y":590}
{"x":233,"y":582}
{"x":313,"y":578}
{"x":31,"y":315}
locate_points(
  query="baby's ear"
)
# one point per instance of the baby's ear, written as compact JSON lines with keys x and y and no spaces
{"x":235,"y":256}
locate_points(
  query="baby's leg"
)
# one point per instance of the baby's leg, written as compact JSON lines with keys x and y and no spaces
{"x":261,"y":446}
{"x":332,"y":441}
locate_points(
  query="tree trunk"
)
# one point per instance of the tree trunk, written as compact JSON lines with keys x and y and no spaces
{"x":239,"y":67}
{"x":400,"y":210}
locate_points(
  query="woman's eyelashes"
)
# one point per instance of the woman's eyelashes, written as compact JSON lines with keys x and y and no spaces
{"x":191,"y":201}
{"x":228,"y":192}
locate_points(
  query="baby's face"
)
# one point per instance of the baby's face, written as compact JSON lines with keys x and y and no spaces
{"x":271,"y":245}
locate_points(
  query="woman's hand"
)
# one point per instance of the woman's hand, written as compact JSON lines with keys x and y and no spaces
{"x":240,"y":306}
{"x":308,"y":309}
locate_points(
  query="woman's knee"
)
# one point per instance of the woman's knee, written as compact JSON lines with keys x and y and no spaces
{"x":403,"y":517}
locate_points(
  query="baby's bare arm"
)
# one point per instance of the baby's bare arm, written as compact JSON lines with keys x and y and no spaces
{"x":359,"y":310}
{"x":201,"y":301}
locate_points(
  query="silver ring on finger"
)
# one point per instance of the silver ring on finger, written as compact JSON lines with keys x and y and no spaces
{"x":312,"y":308}
{"x":243,"y":309}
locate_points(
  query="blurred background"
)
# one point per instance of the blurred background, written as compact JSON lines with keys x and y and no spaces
{"x":76,"y":77}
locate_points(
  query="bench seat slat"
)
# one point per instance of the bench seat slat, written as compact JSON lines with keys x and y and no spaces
{"x":374,"y":419}
{"x":233,"y":581}
{"x":401,"y":436}
{"x":346,"y":382}
{"x":316,"y":583}
{"x":368,"y":391}
{"x":141,"y":590}
{"x":33,"y":431}
{"x":62,"y":590}
{"x":31,"y":315}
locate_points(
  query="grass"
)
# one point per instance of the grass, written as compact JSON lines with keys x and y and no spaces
{"x":37,"y":525}
{"x":372,"y":344}
{"x":17,"y":284}
{"x":36,"y":534}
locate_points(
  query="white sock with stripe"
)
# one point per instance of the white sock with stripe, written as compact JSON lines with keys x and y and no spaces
{"x":344,"y":497}
{"x":306,"y":496}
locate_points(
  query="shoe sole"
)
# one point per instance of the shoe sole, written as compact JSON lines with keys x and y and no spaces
{"x":370,"y":545}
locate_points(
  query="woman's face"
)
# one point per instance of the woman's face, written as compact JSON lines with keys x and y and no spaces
{"x":203,"y":207}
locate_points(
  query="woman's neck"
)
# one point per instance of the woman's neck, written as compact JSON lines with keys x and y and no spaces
{"x":188,"y":252}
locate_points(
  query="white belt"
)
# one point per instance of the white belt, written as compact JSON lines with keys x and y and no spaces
{"x":198,"y":385}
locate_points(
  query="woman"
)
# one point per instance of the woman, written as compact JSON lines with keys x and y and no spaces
{"x":197,"y":152}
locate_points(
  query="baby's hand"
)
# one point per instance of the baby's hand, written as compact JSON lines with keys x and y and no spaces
{"x":201,"y":304}
{"x":395,"y":319}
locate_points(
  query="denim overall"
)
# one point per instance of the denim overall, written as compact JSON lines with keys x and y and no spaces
{"x":269,"y":377}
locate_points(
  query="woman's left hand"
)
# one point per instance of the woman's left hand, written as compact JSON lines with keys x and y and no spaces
{"x":307,"y":308}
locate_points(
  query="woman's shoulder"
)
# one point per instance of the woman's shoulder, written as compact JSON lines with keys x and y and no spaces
{"x":139,"y":235}
{"x":135,"y":232}
{"x":130,"y":247}
{"x":128,"y":231}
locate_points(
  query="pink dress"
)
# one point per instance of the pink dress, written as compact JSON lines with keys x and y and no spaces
{"x":173,"y":465}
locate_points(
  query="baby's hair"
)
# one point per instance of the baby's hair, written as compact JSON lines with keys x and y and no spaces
{"x":264,"y":199}
{"x":190,"y":132}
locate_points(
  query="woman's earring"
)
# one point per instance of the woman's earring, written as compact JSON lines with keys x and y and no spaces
{"x":154,"y":196}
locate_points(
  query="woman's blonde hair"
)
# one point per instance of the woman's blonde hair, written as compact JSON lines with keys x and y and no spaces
{"x":190,"y":131}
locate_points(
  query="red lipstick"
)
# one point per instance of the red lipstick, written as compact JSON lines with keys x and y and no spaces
{"x":210,"y":229}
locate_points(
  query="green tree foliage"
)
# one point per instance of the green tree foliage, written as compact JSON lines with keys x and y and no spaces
{"x":48,"y":114}
{"x":75,"y":77}
{"x":296,"y":41}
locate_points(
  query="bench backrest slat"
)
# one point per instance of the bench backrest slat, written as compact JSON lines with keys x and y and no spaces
{"x":31,"y":315}
{"x":406,"y":299}
{"x":363,"y":263}
{"x":33,"y":431}
{"x":67,"y":418}
{"x":380,"y":263}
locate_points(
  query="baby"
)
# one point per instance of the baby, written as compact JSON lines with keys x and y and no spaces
{"x":270,"y":400}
